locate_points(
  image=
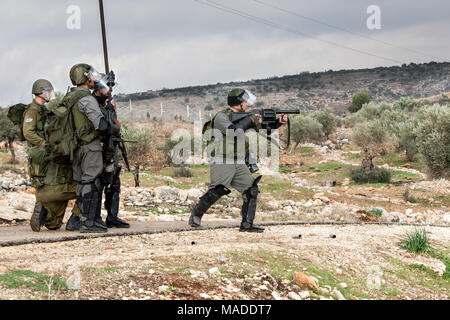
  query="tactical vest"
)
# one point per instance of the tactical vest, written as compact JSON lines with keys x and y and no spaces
{"x":84,"y":128}
{"x":210,"y":125}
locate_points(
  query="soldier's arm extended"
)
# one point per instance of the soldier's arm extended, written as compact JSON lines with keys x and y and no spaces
{"x":29,"y":128}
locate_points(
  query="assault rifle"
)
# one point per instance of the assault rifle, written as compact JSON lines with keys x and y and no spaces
{"x":114,"y":139}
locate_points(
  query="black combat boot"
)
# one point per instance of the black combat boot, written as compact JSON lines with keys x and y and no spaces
{"x":112,"y":206}
{"x":248,"y":210}
{"x":74,"y":223}
{"x":206,"y":201}
{"x":38,"y":217}
{"x":90,"y":218}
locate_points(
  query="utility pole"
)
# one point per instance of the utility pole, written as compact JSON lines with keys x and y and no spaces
{"x":105,"y":45}
{"x":187,"y":111}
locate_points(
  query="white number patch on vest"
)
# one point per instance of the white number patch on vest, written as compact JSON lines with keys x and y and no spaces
{"x":28,"y":120}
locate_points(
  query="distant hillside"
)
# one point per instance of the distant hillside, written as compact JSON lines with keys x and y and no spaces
{"x":305,"y":91}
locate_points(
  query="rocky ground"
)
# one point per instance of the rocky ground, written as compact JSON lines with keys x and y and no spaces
{"x":314,"y":184}
{"x":359,"y":262}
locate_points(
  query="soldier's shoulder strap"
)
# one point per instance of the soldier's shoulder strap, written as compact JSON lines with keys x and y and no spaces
{"x":210,"y":124}
{"x":73,"y":97}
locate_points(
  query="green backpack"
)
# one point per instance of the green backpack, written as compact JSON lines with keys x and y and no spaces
{"x":15,"y":115}
{"x":60,"y":129}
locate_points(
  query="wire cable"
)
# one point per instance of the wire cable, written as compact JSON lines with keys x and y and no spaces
{"x":275,"y":25}
{"x":270,"y":5}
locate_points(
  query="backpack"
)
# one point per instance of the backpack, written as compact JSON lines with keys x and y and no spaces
{"x":15,"y":115}
{"x":60,"y":132}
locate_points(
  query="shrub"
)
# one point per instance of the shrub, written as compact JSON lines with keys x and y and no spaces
{"x":416,"y":241}
{"x":182,"y":172}
{"x":433,"y":139}
{"x":376,"y":175}
{"x":358,"y":100}
{"x":444,"y":100}
{"x":373,"y":111}
{"x":406,"y":104}
{"x":376,"y":211}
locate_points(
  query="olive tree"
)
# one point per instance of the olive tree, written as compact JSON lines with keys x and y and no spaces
{"x":8,"y":133}
{"x":305,"y":128}
{"x":373,"y":139}
{"x":433,"y":139}
{"x":142,"y":152}
{"x":328,"y":121}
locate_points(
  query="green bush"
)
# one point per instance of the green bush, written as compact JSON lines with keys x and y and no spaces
{"x":358,"y":100}
{"x":376,"y":175}
{"x":444,"y":100}
{"x":406,"y":104}
{"x":433,"y":139}
{"x":416,"y":241}
{"x":376,"y":211}
{"x":373,"y":111}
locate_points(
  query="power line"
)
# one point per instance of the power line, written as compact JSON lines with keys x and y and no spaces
{"x":275,"y":25}
{"x":270,"y":5}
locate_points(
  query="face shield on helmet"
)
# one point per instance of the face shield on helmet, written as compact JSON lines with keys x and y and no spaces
{"x":106,"y":81}
{"x":48,"y":94}
{"x":93,"y":75}
{"x":249,"y":97}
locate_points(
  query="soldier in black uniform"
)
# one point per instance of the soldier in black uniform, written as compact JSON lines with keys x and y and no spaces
{"x":112,"y":168}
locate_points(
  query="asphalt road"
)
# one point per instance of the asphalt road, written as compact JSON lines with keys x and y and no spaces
{"x":22,"y":234}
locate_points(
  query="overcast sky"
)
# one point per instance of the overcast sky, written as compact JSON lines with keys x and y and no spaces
{"x":172,"y":43}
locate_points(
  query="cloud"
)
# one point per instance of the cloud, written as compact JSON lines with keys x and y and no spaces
{"x":156,"y":44}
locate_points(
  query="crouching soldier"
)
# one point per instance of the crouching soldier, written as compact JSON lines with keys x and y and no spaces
{"x":52,"y":180}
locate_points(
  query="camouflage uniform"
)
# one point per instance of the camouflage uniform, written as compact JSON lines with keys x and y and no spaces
{"x":53,"y":182}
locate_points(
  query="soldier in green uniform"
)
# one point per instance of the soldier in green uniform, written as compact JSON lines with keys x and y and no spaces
{"x":90,"y":126}
{"x":234,"y":173}
{"x":53,"y":182}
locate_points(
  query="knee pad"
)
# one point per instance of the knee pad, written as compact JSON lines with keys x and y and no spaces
{"x":222,"y":190}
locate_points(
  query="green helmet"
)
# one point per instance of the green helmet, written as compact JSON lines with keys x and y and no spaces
{"x":78,"y":73}
{"x":41,"y":85}
{"x":237,"y":96}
